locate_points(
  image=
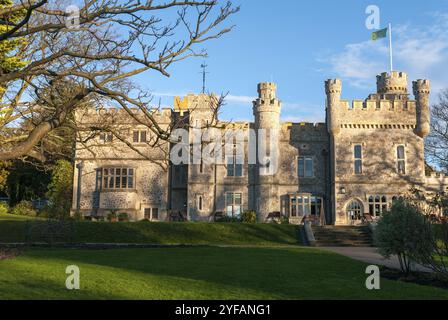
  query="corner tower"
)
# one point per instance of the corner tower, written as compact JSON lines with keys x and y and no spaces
{"x":421,"y":90}
{"x":266,"y":109}
{"x":333,"y":90}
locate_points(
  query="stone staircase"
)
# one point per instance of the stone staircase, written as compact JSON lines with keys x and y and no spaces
{"x":341,"y":236}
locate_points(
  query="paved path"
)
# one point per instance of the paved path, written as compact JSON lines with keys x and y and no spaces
{"x":370,"y":255}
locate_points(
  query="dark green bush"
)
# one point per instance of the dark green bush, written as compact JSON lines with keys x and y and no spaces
{"x":405,"y":232}
{"x":112,"y":216}
{"x":227,"y":219}
{"x":123,"y":217}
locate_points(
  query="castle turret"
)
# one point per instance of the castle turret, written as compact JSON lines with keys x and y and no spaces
{"x":267,"y":107}
{"x":267,"y":110}
{"x":395,"y":83}
{"x":421,"y":90}
{"x":333,"y":89}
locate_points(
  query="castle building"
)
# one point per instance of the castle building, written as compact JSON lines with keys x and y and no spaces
{"x":367,"y":154}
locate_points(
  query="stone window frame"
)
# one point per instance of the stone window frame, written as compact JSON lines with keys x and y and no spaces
{"x":355,"y":159}
{"x":398,"y":160}
{"x":200,"y":202}
{"x":234,"y":204}
{"x":141,"y":133}
{"x":115,"y":176}
{"x":151,"y":213}
{"x":313,"y":162}
{"x":377,"y":200}
{"x":106,"y":137}
{"x":234,"y":164}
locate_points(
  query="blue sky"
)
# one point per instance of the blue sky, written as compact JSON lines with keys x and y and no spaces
{"x":299,"y":44}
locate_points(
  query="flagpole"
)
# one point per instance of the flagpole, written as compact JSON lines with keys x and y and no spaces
{"x":390,"y":48}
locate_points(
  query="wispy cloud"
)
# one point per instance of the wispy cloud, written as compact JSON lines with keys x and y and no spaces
{"x":421,"y":51}
{"x":239,"y":99}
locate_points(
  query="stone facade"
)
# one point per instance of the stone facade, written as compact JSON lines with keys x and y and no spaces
{"x":366,"y":154}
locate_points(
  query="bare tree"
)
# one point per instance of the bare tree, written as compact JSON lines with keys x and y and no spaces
{"x":72,"y":66}
{"x":437,"y":142}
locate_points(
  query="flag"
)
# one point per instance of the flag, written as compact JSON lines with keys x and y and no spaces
{"x":379,"y":34}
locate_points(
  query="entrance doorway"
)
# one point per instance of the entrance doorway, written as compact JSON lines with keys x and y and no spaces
{"x":355,"y":212}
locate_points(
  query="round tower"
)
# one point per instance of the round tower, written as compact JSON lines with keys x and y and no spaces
{"x":392,"y":83}
{"x":266,"y":111}
{"x":267,"y":107}
{"x":333,"y":90}
{"x":422,"y":90}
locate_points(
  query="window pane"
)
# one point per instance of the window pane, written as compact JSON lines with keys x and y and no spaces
{"x":401,"y":167}
{"x":229,"y":211}
{"x":309,"y":167}
{"x":237,"y":211}
{"x":124,"y":181}
{"x":300,"y":209}
{"x":111,"y":183}
{"x":131,"y":172}
{"x":358,"y":152}
{"x":130,"y":182}
{"x":230,"y":170}
{"x":155,"y":213}
{"x":136,"y":136}
{"x":358,"y":167}
{"x":294,"y":210}
{"x":147,"y":213}
{"x":238,"y":198}
{"x":124,"y":172}
{"x":400,"y":152}
{"x":301,"y":167}
{"x":238,"y":170}
{"x":117,"y":182}
{"x":143,"y":136}
{"x":117,"y":172}
{"x":229,"y":198}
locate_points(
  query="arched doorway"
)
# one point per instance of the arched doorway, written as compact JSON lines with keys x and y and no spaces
{"x":355,"y":212}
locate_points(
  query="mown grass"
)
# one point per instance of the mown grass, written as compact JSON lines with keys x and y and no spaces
{"x":198,"y":273}
{"x":14,"y":230}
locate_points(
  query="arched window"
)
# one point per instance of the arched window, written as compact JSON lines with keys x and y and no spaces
{"x":354,"y":210}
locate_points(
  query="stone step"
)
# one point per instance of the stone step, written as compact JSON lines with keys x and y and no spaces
{"x":332,"y":236}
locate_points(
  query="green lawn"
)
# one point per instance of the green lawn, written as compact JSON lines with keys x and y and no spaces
{"x":12,"y":229}
{"x":198,"y":273}
{"x":13,"y":217}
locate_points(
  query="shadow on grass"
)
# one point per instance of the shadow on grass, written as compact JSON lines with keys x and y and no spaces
{"x":275,"y":273}
{"x":187,"y":233}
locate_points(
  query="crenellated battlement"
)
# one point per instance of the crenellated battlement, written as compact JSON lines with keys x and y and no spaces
{"x":367,"y":106}
{"x":421,"y":86}
{"x":333,"y":86}
{"x":388,"y":108}
{"x":392,"y":83}
{"x":267,"y":90}
{"x":115,"y":115}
